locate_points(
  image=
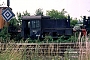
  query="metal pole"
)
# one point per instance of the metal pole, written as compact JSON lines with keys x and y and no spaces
{"x":8,"y":3}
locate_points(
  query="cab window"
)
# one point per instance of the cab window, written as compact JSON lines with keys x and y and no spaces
{"x":35,"y":24}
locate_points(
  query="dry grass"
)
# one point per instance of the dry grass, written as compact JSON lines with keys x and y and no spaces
{"x":10,"y":54}
{"x":14,"y":52}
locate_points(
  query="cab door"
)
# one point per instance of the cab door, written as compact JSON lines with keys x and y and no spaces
{"x":35,"y":28}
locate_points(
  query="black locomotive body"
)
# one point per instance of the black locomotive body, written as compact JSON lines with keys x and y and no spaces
{"x":40,"y":26}
{"x":86,"y":24}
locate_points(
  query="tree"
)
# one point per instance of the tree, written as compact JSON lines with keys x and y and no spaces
{"x":19,"y":15}
{"x":13,"y":21}
{"x":73,"y":22}
{"x":26,"y":13}
{"x":39,"y":12}
{"x":63,"y":12}
{"x":57,"y":14}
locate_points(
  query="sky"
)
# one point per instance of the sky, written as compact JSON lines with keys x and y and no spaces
{"x":75,"y":8}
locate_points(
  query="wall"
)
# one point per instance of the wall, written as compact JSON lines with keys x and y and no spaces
{"x":1,"y":19}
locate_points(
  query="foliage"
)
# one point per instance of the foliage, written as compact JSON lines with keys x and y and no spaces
{"x":72,"y":39}
{"x":66,"y":39}
{"x":73,"y":22}
{"x":4,"y":35}
{"x":26,"y":13}
{"x":49,"y":39}
{"x":39,"y":12}
{"x":19,"y":15}
{"x":13,"y":29}
{"x":13,"y":21}
{"x":57,"y":14}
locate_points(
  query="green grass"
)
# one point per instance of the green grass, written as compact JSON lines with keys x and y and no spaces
{"x":17,"y":54}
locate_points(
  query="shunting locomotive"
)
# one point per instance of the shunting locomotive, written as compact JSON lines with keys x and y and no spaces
{"x":41,"y":26}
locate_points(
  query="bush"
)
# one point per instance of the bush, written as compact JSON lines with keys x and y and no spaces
{"x":4,"y":35}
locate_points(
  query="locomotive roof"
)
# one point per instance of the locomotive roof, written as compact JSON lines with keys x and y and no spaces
{"x":34,"y":17}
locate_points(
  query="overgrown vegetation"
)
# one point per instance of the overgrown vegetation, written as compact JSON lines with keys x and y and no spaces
{"x":7,"y":37}
{"x":16,"y":52}
{"x":15,"y":24}
{"x":4,"y":35}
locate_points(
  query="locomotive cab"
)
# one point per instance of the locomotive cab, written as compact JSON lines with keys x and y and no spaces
{"x":31,"y":26}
